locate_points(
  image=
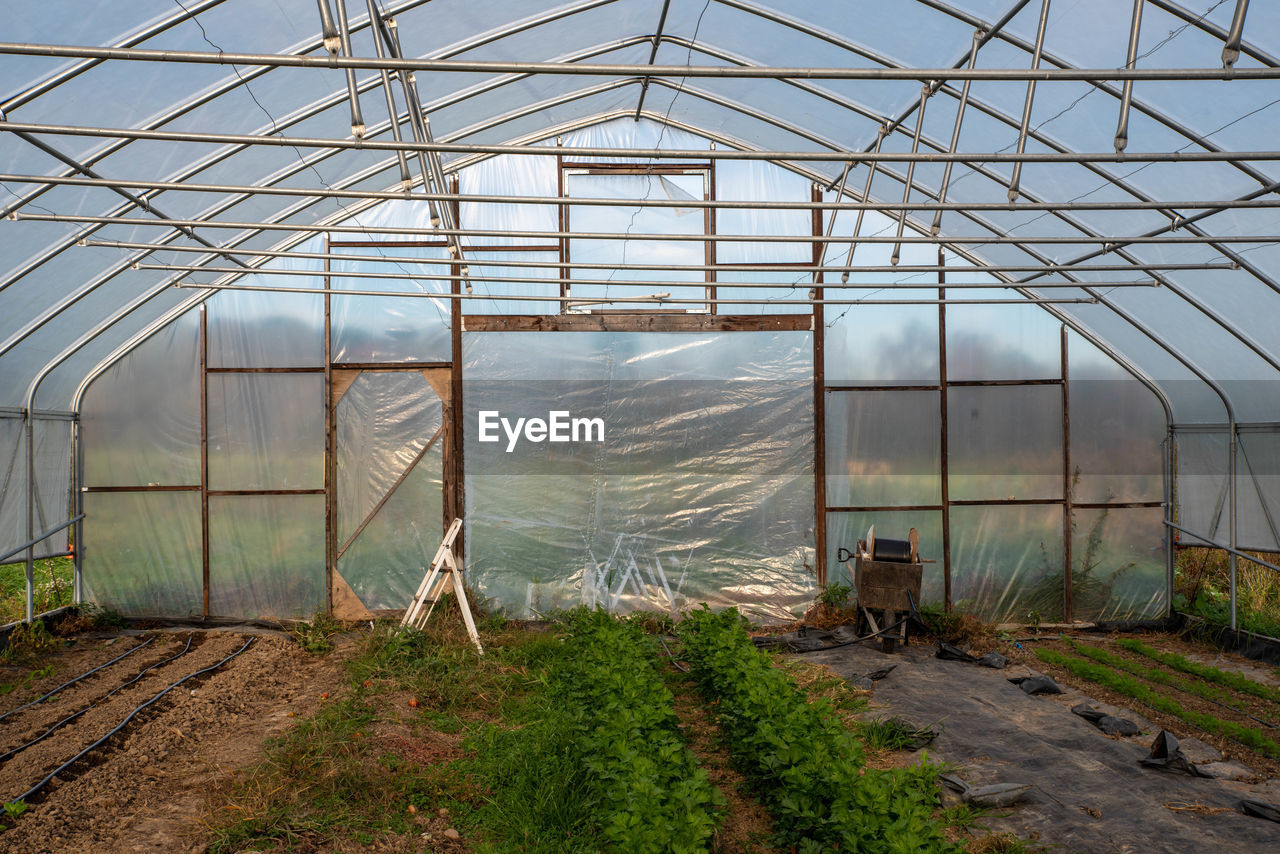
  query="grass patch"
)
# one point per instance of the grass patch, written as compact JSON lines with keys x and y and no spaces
{"x":423,"y":724}
{"x":53,"y":579}
{"x":1092,"y":671}
{"x":1181,"y":663}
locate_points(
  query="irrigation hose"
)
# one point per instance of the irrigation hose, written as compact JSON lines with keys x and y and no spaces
{"x":77,"y":679}
{"x":4,"y":757}
{"x":65,"y":765}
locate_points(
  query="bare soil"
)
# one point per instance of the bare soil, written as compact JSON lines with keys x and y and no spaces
{"x":146,"y":788}
{"x":745,"y":827}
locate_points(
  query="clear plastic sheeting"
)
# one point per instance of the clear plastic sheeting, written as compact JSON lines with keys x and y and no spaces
{"x":1200,"y":488}
{"x":140,"y":420}
{"x":1118,"y":564}
{"x":52,"y":493}
{"x":266,"y":556}
{"x":845,"y":529}
{"x":266,"y":431}
{"x":52,"y":504}
{"x":701,"y":490}
{"x":256,"y":329}
{"x":390,"y":488}
{"x":384,"y":565}
{"x":883,"y":448}
{"x":1007,"y":562}
{"x":1118,"y":431}
{"x":390,"y":329}
{"x":13,"y":480}
{"x":1260,"y":489}
{"x":1004,"y":442}
{"x":144,"y":560}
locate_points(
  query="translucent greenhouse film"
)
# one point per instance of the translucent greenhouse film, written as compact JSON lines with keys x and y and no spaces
{"x":1004,"y":271}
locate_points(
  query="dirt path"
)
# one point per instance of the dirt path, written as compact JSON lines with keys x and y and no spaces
{"x":145,"y":790}
{"x":746,"y":826}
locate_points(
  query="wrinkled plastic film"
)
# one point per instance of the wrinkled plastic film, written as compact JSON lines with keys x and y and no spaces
{"x":142,"y":552}
{"x":389,"y":444}
{"x":1007,"y":562}
{"x":266,"y":431}
{"x":266,"y":556}
{"x":883,"y":448}
{"x":845,"y":529}
{"x":702,"y":489}
{"x":1118,"y":564}
{"x":140,"y":420}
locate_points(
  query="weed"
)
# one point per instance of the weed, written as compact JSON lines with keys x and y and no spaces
{"x":28,"y":641}
{"x":652,"y":622}
{"x":316,"y":636}
{"x":893,"y":734}
{"x":832,"y":607}
{"x":89,"y":617}
{"x":1203,"y":587}
{"x":956,"y":626}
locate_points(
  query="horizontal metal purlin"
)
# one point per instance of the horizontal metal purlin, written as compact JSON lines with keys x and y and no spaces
{"x":987,"y":383}
{"x":634,"y":283}
{"x":869,"y":387}
{"x":388,"y":366}
{"x":412,"y":244}
{"x":1003,"y":502}
{"x":319,"y":370}
{"x":589,"y":201}
{"x":655,"y":300}
{"x":1110,"y":241}
{"x":38,"y":414}
{"x":149,"y":488}
{"x":1116,"y":505}
{"x":798,"y":267}
{"x":833,"y":156}
{"x":1241,"y":427}
{"x":216,"y":493}
{"x":629,"y":70}
{"x":885,"y":508}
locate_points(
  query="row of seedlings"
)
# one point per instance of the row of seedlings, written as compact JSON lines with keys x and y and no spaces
{"x":643,"y":786}
{"x":1133,"y":680}
{"x":807,"y":767}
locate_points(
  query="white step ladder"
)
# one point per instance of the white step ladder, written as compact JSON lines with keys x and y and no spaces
{"x":443,"y":573}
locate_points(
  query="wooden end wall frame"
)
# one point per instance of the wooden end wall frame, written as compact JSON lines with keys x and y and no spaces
{"x":444,"y":378}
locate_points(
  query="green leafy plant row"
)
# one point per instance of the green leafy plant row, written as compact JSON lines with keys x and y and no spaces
{"x":807,"y":767}
{"x":642,"y":784}
{"x":1155,"y":674}
{"x":1204,"y":671}
{"x":1130,"y":687}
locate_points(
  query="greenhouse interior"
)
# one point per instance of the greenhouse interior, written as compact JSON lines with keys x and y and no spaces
{"x":669,"y":302}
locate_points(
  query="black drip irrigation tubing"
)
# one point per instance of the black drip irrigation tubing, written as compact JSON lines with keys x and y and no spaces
{"x":4,"y":757}
{"x":73,"y":760}
{"x":82,"y":676}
